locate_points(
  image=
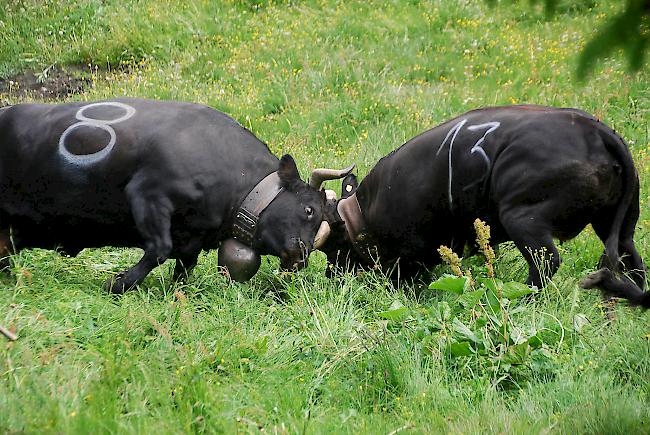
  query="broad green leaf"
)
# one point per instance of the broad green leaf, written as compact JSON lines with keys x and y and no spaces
{"x":462,"y":348}
{"x":441,"y":312}
{"x":517,"y":335}
{"x":396,"y":311}
{"x":463,"y":330}
{"x":535,"y":342}
{"x":455,"y":284}
{"x":493,"y":301}
{"x":396,"y":314}
{"x":489,"y":283}
{"x":541,"y":359}
{"x":513,"y":290}
{"x":517,"y":354}
{"x":549,"y":336}
{"x":495,"y":320}
{"x":470,"y":299}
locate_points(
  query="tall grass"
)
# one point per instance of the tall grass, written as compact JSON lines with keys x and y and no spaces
{"x":331,"y":82}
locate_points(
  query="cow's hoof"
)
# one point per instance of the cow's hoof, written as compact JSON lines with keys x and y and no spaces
{"x":595,"y":279}
{"x":115,"y":284}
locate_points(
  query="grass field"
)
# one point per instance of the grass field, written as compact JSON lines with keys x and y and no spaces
{"x":331,"y":82}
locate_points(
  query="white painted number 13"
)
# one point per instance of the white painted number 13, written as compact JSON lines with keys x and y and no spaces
{"x":451,"y":136}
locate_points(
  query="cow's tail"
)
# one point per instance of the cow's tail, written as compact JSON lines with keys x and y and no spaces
{"x":617,"y":147}
{"x":606,"y":278}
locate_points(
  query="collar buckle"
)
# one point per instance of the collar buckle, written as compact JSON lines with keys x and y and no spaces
{"x":244,"y":226}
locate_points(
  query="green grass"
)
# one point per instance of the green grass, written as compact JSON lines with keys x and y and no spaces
{"x":332,"y":83}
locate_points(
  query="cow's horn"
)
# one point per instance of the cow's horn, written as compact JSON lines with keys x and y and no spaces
{"x":321,"y":235}
{"x":320,"y":175}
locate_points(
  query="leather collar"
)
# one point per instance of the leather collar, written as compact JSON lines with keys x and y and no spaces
{"x":355,"y":225}
{"x":264,"y":192}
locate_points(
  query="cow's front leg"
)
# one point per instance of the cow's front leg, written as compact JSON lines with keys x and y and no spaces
{"x":535,"y":243}
{"x":543,"y":261}
{"x":153,"y":221}
{"x":187,"y":256}
{"x":184,"y":266}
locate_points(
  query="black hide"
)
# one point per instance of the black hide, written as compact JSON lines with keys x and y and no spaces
{"x":532,"y":173}
{"x":167,"y":177}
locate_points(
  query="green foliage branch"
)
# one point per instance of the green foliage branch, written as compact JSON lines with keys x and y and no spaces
{"x":629,"y":30}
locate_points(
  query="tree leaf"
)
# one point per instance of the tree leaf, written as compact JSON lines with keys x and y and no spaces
{"x":625,"y":31}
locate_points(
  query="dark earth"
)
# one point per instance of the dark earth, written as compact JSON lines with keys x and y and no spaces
{"x":49,"y":84}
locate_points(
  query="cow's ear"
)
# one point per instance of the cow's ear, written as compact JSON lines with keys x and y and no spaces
{"x":349,"y":186}
{"x":329,"y":206}
{"x":288,"y":171}
{"x":331,"y":214}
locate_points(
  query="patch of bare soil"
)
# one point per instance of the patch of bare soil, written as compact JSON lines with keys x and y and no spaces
{"x":51,"y":83}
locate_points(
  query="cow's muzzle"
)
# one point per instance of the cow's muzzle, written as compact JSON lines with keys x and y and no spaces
{"x":296,"y":257}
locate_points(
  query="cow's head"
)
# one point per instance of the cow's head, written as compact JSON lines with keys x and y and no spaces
{"x":295,"y":222}
{"x":338,"y":248}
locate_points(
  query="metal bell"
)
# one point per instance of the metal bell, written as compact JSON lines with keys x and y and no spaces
{"x":240,"y":260}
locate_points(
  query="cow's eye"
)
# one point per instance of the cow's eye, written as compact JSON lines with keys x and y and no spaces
{"x":309,"y":211}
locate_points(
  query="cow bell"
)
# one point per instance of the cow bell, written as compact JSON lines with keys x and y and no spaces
{"x":240,"y":261}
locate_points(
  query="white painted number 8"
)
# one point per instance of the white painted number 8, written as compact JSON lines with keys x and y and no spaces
{"x":103,"y":124}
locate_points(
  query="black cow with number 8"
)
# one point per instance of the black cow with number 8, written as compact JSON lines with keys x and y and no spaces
{"x":171,"y":178}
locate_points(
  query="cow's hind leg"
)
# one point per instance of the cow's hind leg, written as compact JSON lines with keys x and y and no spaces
{"x":535,"y":242}
{"x":632,"y":262}
{"x":153,"y":220}
{"x":630,"y":259}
